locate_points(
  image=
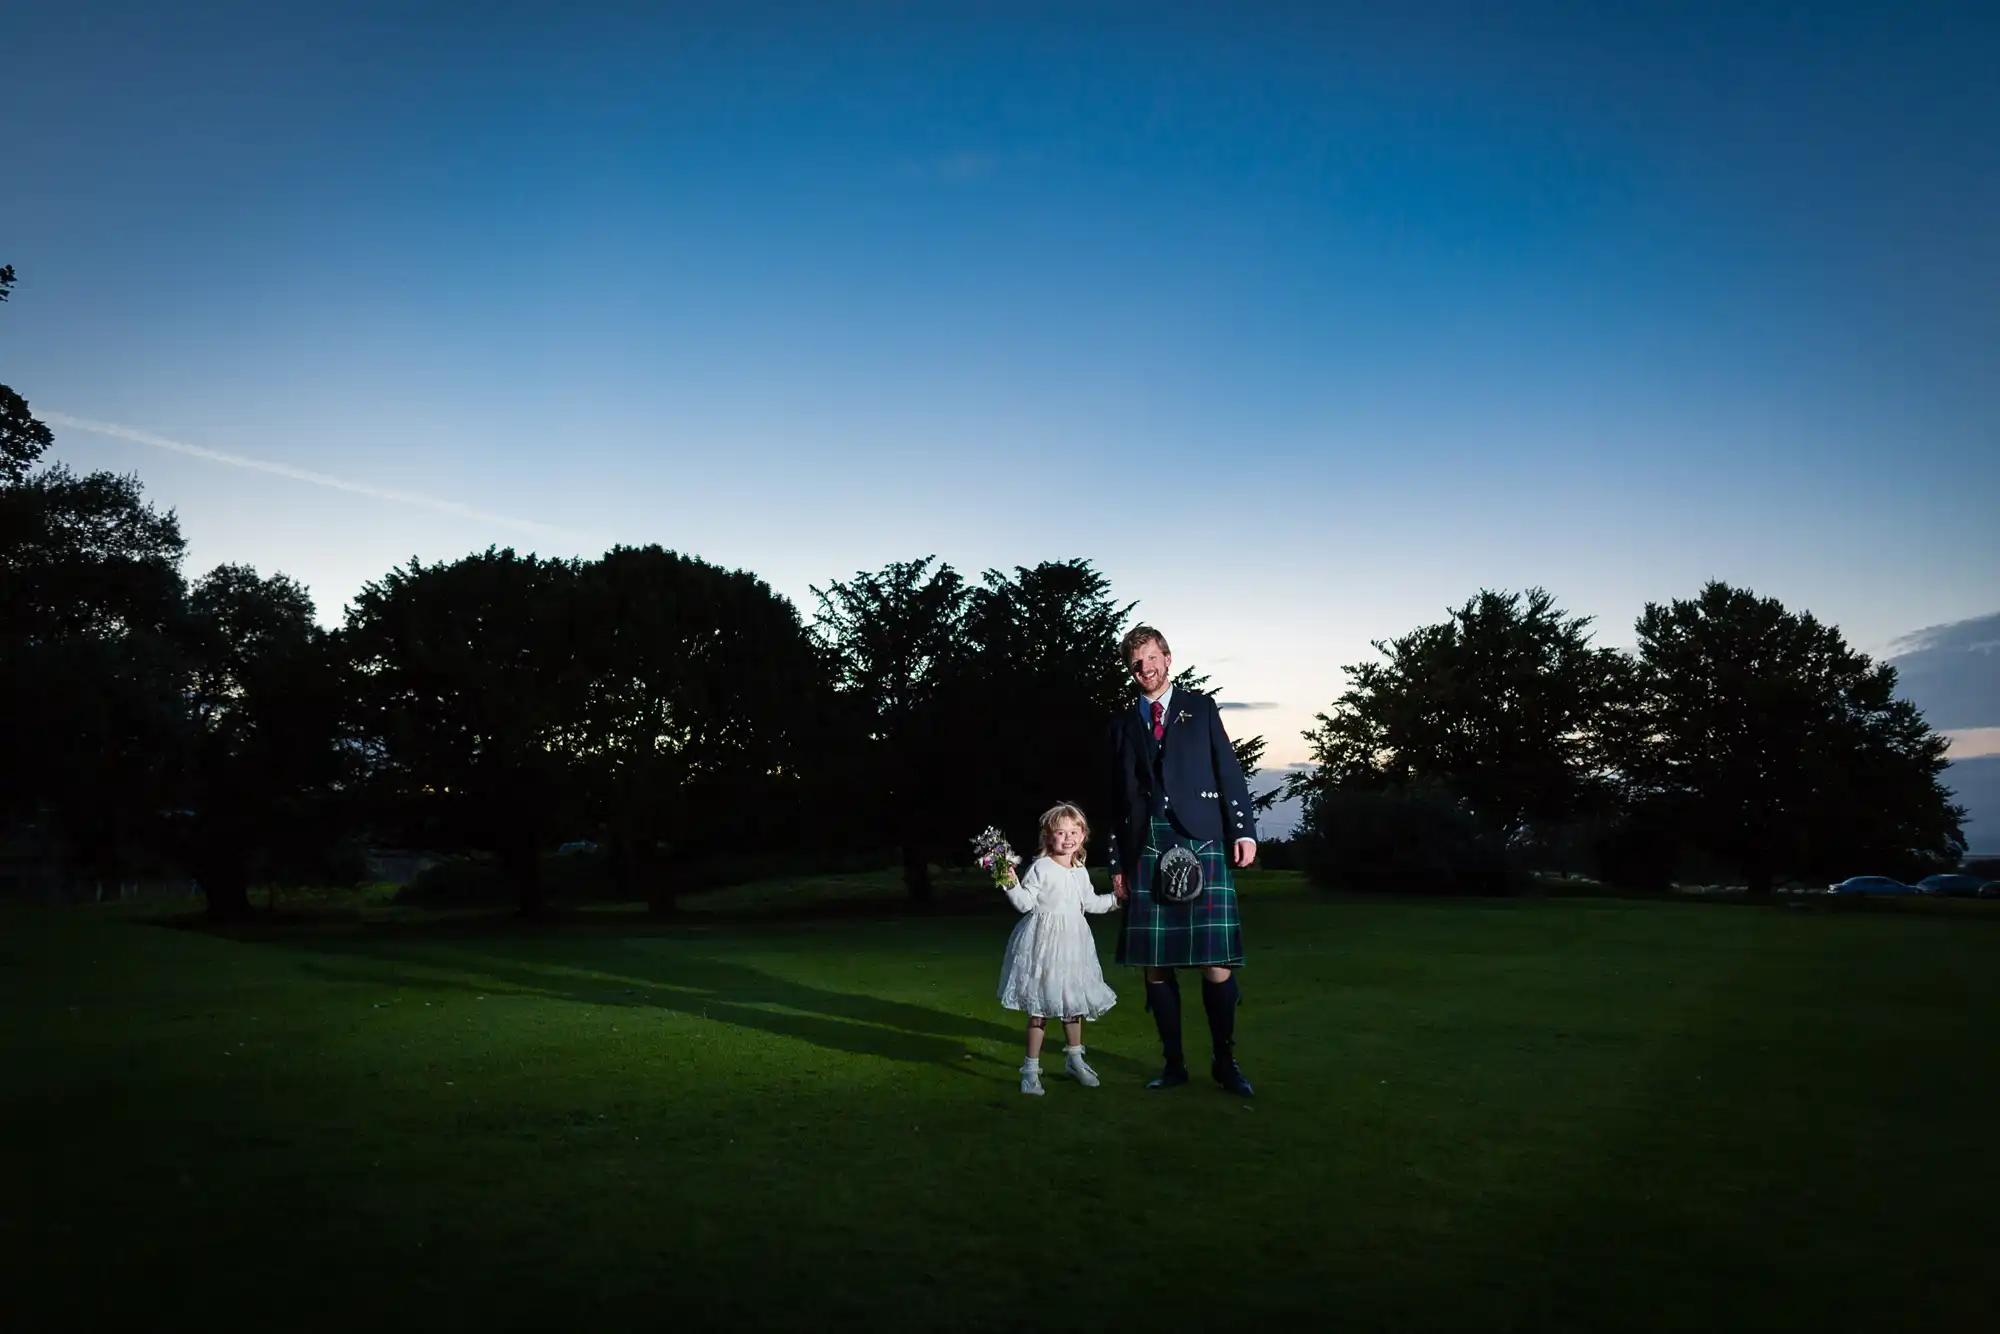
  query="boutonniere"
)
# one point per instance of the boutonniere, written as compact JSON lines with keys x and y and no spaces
{"x":1183,"y":717}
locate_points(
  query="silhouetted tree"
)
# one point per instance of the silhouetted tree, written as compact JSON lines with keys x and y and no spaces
{"x":1777,"y":748}
{"x":895,"y":642}
{"x":264,"y":765}
{"x":468,"y":698}
{"x":1414,"y":838}
{"x":90,"y":597}
{"x":700,"y":715}
{"x":1498,"y":708}
{"x":23,"y":437}
{"x":1042,"y":683}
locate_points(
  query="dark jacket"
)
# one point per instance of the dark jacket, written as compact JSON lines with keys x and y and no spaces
{"x":1191,"y":770}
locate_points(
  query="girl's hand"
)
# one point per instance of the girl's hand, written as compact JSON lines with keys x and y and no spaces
{"x":1013,"y":881}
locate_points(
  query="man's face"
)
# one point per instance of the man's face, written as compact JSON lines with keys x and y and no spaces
{"x":1150,"y":668}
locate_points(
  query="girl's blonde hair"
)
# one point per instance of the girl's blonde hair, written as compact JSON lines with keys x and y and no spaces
{"x":1065,"y":810}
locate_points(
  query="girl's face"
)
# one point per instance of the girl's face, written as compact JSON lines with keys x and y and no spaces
{"x":1065,"y":838}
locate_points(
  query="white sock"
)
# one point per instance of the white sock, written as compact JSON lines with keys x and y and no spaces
{"x":1077,"y":1068}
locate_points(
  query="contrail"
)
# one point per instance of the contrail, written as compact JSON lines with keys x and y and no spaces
{"x":315,"y":478}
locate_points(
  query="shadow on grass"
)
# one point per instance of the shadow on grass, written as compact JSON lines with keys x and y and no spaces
{"x":708,"y":988}
{"x":824,"y":901}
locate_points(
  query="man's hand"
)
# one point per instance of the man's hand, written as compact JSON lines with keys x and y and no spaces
{"x":1118,"y":886}
{"x":1246,"y":852}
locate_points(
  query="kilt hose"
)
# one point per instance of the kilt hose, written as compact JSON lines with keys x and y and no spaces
{"x":1204,"y":933}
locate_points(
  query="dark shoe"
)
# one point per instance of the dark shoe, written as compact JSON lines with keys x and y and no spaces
{"x":1230,"y":1076}
{"x":1171,"y":1077}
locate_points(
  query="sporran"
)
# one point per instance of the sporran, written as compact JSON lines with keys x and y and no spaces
{"x":1179,"y":879}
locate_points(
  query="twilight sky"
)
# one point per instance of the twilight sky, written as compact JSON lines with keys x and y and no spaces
{"x":1302,"y":321}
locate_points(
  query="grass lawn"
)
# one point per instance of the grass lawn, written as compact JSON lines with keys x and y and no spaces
{"x":1588,"y":1114}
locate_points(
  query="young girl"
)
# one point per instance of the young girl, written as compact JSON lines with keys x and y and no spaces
{"x":1050,"y":967}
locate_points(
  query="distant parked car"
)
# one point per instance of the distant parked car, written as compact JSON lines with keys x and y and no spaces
{"x":1870,"y":884}
{"x":1956,"y":886}
{"x":1990,"y":890}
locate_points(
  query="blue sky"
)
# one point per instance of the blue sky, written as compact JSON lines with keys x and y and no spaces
{"x":1303,"y":322}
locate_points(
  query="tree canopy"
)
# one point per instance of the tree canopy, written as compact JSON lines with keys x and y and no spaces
{"x":467,"y":697}
{"x":1779,"y":749}
{"x":1500,"y":707}
{"x":90,"y":606}
{"x":265,"y":768}
{"x":701,"y":714}
{"x":894,"y":641}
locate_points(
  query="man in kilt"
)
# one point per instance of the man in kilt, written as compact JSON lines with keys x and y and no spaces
{"x":1178,"y":785}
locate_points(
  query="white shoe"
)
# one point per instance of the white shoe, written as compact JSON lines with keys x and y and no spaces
{"x":1077,"y":1068}
{"x":1031,"y":1079}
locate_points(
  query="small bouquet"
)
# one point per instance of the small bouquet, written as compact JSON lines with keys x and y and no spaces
{"x":990,"y":849}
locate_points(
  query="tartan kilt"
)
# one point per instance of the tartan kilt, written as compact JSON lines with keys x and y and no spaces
{"x":1206,"y":932}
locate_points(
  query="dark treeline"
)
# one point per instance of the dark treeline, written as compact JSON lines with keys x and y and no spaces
{"x":1738,"y":742}
{"x":674,"y":716}
{"x":670,"y":714}
{"x":667,"y":713}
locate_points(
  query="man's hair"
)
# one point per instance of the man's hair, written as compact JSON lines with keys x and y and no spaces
{"x":1137,"y":638}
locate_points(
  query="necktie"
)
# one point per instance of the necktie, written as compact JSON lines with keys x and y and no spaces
{"x":1159,"y":720}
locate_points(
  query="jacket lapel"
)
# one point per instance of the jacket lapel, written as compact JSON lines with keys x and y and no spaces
{"x":1135,"y":731}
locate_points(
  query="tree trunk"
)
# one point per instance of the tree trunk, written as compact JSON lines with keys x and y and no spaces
{"x":623,"y":880}
{"x":917,"y":874}
{"x":524,"y":872}
{"x":225,"y":883}
{"x":655,"y":870}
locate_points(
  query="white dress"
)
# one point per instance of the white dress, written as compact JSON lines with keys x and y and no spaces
{"x":1050,"y":967}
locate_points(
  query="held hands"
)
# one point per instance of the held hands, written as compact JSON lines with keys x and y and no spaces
{"x":1118,"y":886}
